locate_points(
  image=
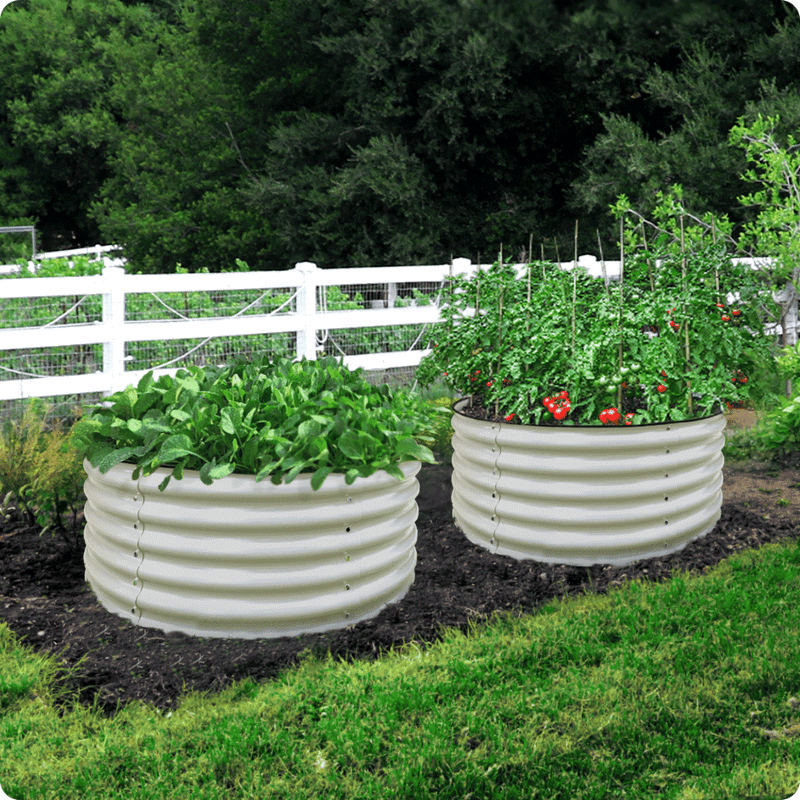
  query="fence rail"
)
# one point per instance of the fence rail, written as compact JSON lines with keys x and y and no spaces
{"x":303,"y":315}
{"x":304,"y":319}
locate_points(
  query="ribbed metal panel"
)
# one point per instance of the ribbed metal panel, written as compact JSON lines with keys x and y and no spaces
{"x":586,"y":495}
{"x":242,"y":559}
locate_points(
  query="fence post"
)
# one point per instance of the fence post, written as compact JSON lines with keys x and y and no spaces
{"x":108,"y":344}
{"x":306,"y":338}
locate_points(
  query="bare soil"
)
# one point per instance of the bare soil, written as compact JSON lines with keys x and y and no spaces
{"x":45,"y":600}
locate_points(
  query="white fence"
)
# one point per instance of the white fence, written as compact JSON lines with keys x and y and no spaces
{"x":312,"y":328}
{"x":98,"y":251}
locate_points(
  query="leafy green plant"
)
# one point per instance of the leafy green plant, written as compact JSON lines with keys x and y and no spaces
{"x":41,"y":471}
{"x":442,"y":432}
{"x":21,"y":443}
{"x":664,"y":343}
{"x":57,"y":487}
{"x":268,"y":419}
{"x":780,"y":433}
{"x":789,"y":363}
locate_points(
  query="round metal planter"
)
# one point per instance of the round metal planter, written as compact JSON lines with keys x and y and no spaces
{"x":242,"y":559}
{"x":586,"y":495}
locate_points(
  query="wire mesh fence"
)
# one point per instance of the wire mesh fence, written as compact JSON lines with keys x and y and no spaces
{"x":67,"y":311}
{"x":69,"y":360}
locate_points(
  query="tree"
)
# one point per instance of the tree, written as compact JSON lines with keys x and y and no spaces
{"x":774,"y":157}
{"x":695,"y":104}
{"x":55,"y":124}
{"x":176,"y":164}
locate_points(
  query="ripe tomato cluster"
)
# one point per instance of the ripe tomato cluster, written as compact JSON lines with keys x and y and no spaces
{"x":558,"y":405}
{"x":611,"y":416}
{"x":736,"y":312}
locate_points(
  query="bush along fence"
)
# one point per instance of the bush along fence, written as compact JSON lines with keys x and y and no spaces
{"x":98,"y":333}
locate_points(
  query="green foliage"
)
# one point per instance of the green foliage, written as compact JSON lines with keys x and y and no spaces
{"x":442,"y":433}
{"x":56,"y":120}
{"x":779,"y":435}
{"x":173,"y":195}
{"x":15,"y":248}
{"x":431,"y":95}
{"x":41,"y":470}
{"x":789,"y":363}
{"x":351,"y":132}
{"x":683,"y":107}
{"x":268,"y":419}
{"x":665,"y":343}
{"x":775,"y":166}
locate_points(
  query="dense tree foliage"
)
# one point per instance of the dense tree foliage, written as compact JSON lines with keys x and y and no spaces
{"x":726,"y":74}
{"x":354,"y":132}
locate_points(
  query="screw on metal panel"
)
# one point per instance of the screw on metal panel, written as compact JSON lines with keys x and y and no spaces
{"x":347,"y":586}
{"x":349,"y":499}
{"x":666,"y":522}
{"x":347,"y":529}
{"x":667,"y":451}
{"x":133,"y":611}
{"x":136,"y":554}
{"x":347,"y":615}
{"x":666,"y":498}
{"x":493,"y":517}
{"x":666,"y":474}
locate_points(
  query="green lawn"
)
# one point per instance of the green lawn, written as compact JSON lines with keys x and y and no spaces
{"x":687,"y":690}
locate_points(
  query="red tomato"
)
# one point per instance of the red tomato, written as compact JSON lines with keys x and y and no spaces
{"x":613,"y":415}
{"x":661,"y":388}
{"x":560,"y":412}
{"x":604,"y":416}
{"x":725,"y":318}
{"x":629,"y":419}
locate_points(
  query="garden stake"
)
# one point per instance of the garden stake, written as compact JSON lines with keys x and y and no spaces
{"x":621,"y":273}
{"x":647,"y":260}
{"x":603,"y":264}
{"x":685,"y":320}
{"x":716,"y":268}
{"x":500,"y":323}
{"x":543,"y":273}
{"x":574,"y":287}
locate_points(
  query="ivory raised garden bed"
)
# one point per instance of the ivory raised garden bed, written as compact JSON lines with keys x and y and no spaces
{"x":586,"y":494}
{"x":248,"y":559}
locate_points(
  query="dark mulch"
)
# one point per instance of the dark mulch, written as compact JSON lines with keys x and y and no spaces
{"x":45,"y":600}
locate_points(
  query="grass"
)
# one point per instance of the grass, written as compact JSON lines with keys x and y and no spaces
{"x":688,"y":690}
